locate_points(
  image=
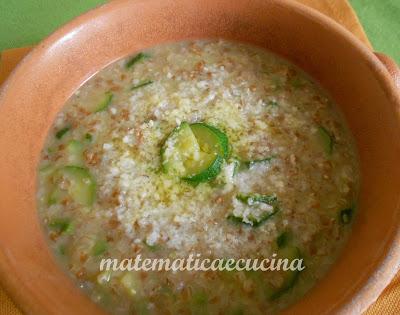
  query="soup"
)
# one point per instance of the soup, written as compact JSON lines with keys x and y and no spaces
{"x":212,"y":148}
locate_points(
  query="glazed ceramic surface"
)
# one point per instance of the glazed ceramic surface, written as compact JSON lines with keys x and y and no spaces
{"x":356,"y":79}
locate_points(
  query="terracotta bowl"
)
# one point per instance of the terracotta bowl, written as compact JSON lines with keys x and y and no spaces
{"x":355,"y":77}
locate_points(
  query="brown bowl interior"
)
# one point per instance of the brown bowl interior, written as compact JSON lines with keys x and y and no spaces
{"x":49,"y":75}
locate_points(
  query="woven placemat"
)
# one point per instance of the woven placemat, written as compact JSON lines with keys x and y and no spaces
{"x":341,"y":11}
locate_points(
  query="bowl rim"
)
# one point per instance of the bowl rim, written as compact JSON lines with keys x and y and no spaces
{"x":384,"y":271}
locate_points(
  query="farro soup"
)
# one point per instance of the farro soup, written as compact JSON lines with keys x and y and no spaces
{"x":212,"y":148}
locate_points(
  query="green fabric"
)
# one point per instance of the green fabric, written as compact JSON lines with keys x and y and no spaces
{"x":381,"y":21}
{"x":25,"y":22}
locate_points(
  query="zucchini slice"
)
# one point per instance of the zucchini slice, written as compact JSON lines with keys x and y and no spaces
{"x":211,"y":139}
{"x":346,"y":215}
{"x":259,"y":213}
{"x":99,"y":248}
{"x":272,"y":103}
{"x":290,"y":277}
{"x":105,"y":102}
{"x":46,"y":178}
{"x":180,"y":147}
{"x":62,"y":225}
{"x":283,"y":239}
{"x":75,"y":153}
{"x":141,"y":84}
{"x":80,"y":185}
{"x":61,"y":133}
{"x":135,"y":59}
{"x":236,"y":165}
{"x":242,"y":165}
{"x":194,"y":152}
{"x":326,"y":140}
{"x":88,"y":137}
{"x":249,"y":164}
{"x":256,"y":198}
{"x":199,"y":303}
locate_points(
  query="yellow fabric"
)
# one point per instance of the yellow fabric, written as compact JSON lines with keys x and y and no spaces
{"x":340,"y":10}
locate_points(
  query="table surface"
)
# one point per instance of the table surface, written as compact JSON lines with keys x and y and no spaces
{"x":26,"y":22}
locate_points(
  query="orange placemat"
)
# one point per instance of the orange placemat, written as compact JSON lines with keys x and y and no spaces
{"x":341,"y":11}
